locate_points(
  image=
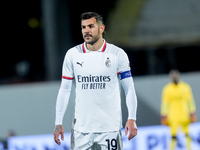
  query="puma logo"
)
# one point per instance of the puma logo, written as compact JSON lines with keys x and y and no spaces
{"x":80,"y":63}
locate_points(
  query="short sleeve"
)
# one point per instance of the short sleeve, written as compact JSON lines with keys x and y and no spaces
{"x":123,"y":62}
{"x":67,"y":70}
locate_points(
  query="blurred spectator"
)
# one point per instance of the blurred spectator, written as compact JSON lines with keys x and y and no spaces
{"x":4,"y":143}
{"x":10,"y":133}
{"x":178,"y":107}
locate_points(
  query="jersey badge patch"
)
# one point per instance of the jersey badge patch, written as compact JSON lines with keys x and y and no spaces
{"x":108,"y":62}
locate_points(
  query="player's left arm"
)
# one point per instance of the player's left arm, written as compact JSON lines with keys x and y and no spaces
{"x":131,"y":102}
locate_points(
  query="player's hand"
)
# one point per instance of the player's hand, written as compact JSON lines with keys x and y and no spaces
{"x":57,"y":131}
{"x":193,"y":117}
{"x":164,"y":120}
{"x":132,"y":128}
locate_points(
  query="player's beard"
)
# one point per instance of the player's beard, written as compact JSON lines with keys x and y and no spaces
{"x":94,"y":38}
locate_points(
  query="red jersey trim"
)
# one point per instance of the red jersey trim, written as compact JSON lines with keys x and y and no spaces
{"x":69,"y":78}
{"x":103,"y":49}
{"x":84,"y":51}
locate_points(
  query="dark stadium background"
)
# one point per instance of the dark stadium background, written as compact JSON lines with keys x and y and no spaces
{"x":21,"y":42}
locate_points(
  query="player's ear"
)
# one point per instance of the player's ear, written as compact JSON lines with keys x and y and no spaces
{"x":102,"y":28}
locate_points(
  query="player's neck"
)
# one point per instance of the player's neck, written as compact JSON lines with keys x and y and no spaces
{"x":176,"y":82}
{"x":96,"y":46}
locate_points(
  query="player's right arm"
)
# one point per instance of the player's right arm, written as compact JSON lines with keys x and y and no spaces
{"x":63,"y":97}
{"x":61,"y":106}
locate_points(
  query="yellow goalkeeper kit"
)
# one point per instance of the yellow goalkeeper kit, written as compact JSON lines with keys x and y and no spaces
{"x":177,"y":105}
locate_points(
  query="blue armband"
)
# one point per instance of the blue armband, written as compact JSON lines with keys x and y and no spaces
{"x":125,"y":74}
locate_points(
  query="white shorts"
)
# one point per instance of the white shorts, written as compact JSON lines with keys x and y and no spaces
{"x":96,"y":141}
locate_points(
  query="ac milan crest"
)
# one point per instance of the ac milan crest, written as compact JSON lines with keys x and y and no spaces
{"x":108,"y":62}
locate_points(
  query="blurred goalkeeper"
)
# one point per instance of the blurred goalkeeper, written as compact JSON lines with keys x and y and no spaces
{"x":178,"y":107}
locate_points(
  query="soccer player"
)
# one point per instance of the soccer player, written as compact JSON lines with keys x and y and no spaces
{"x":96,"y":66}
{"x":177,"y":107}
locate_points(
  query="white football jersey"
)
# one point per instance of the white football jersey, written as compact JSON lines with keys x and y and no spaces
{"x":98,"y":103}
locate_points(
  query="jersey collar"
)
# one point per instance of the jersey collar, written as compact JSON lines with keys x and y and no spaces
{"x":102,"y":49}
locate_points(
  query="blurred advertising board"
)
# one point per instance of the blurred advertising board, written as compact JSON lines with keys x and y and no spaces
{"x":148,"y":138}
